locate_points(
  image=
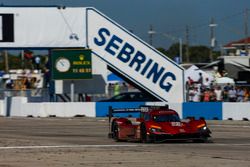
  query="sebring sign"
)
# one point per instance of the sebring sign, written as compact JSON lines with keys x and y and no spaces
{"x":134,"y":59}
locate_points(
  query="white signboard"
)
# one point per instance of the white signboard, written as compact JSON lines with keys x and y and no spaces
{"x":135,"y":59}
{"x":42,"y":27}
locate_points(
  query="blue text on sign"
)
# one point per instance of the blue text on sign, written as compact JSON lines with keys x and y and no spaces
{"x":135,"y":59}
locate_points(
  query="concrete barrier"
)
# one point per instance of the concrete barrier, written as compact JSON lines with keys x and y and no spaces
{"x":236,"y":111}
{"x":20,"y":107}
{"x":17,"y":106}
{"x":2,"y":108}
{"x":206,"y":110}
{"x":210,"y":111}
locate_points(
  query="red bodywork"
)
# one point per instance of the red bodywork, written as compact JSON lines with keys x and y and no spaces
{"x":159,"y":125}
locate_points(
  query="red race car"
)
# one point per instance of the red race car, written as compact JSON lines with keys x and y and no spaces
{"x":156,"y":124}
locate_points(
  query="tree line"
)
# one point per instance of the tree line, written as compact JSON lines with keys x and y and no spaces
{"x":26,"y":61}
{"x":197,"y":54}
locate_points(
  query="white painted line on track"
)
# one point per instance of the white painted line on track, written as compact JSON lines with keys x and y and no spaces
{"x":231,"y":144}
{"x":128,"y":145}
{"x":65,"y":146}
{"x":232,"y":126}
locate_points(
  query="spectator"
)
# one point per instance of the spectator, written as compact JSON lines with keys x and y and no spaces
{"x":215,"y":93}
{"x":190,"y":81}
{"x":9,"y":84}
{"x":227,"y":87}
{"x":202,"y":90}
{"x":37,"y":61}
{"x":232,"y":94}
{"x":200,"y":80}
{"x":116,"y":89}
{"x":111,"y":89}
{"x":191,"y":94}
{"x":38,"y":85}
{"x":196,"y":95}
{"x":87,"y":98}
{"x":124,"y":87}
{"x":225,"y":95}
{"x":80,"y":97}
{"x":27,"y":83}
{"x":46,"y":78}
{"x":212,"y":95}
{"x":218,"y":93}
{"x":239,"y":94}
{"x":207,"y":83}
{"x":246,"y":95}
{"x":206,"y":95}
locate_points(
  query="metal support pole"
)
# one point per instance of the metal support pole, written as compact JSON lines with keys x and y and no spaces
{"x":72,"y":90}
{"x":180,"y":45}
{"x":151,"y":32}
{"x":212,"y":25}
{"x":187,"y":45}
{"x":246,"y":32}
{"x":6,"y":60}
{"x":22,"y":59}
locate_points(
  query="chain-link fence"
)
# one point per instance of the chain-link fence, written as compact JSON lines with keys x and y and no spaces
{"x":38,"y":95}
{"x":43,"y":95}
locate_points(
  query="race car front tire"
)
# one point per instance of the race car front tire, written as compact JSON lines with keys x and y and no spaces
{"x":144,"y":137}
{"x":201,"y":140}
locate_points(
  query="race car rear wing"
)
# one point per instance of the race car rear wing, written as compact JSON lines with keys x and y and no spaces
{"x":143,"y":108}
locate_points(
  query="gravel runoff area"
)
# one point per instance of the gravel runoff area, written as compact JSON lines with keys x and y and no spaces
{"x":58,"y":142}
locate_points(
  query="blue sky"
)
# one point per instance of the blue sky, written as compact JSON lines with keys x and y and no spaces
{"x":167,"y":16}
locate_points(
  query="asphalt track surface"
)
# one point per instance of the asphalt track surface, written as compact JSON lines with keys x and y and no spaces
{"x":59,"y":142}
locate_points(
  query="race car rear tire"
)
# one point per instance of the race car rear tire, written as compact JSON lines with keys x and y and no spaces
{"x":115,"y":131}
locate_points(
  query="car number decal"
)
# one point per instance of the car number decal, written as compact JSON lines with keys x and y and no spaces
{"x":175,"y":123}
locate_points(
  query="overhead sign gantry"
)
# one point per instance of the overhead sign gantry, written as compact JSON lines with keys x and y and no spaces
{"x":72,"y":27}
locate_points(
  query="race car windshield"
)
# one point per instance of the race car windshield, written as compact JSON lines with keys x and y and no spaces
{"x":166,"y":118}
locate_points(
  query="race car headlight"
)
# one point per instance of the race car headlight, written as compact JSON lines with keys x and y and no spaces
{"x":155,"y":129}
{"x":204,"y":128}
{"x":201,"y":125}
